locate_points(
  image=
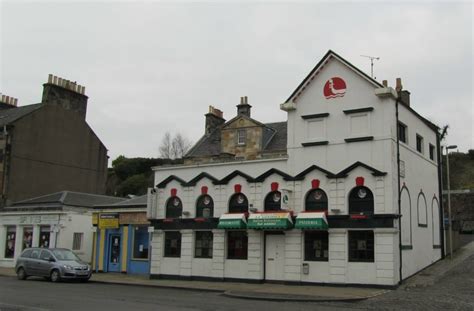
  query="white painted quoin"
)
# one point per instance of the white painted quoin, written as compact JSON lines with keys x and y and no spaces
{"x":341,"y":134}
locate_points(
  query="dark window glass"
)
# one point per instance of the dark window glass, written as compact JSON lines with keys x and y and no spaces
{"x":10,"y":242}
{"x":35,"y":254}
{"x":172,"y":244}
{"x":361,"y":201}
{"x":402,"y":132}
{"x":316,"y":200}
{"x":27,"y":237}
{"x":1,"y":155}
{"x":174,"y":208}
{"x":140,"y":242}
{"x":361,"y":246}
{"x":205,"y":207}
{"x":45,"y":255}
{"x":419,"y":143}
{"x":44,"y":236}
{"x":237,"y":245}
{"x":203,"y":244}
{"x":316,"y":246}
{"x":238,"y":203}
{"x":26,"y":254}
{"x":273,"y":201}
{"x":432,"y":152}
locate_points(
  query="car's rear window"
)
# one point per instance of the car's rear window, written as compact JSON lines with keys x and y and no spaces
{"x":26,"y":253}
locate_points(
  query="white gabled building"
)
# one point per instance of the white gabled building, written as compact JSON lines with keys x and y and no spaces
{"x":345,"y":191}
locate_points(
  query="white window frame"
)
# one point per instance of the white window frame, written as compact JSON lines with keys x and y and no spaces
{"x":241,"y":137}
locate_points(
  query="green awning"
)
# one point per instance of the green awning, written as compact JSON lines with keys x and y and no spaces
{"x":232,"y":221}
{"x":270,"y":221}
{"x":311,"y":221}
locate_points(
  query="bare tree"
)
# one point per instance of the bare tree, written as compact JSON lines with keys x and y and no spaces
{"x":174,"y":148}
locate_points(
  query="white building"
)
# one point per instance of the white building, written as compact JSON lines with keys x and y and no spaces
{"x":315,"y":199}
{"x":62,"y":219}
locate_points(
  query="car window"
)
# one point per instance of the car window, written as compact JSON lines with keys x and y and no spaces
{"x":35,"y":254}
{"x":45,"y":255}
{"x":26,"y":253}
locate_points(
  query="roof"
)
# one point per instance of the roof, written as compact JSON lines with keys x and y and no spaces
{"x":10,"y":115}
{"x":138,"y":201}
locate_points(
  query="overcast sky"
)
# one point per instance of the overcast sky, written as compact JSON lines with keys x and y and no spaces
{"x":152,"y":67}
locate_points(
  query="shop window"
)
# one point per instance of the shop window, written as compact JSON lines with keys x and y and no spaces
{"x":432,"y":152}
{"x":419,"y":143}
{"x":402,"y":132}
{"x":361,"y":246}
{"x":237,"y":245}
{"x":204,"y":207}
{"x":316,"y":200}
{"x":44,"y":236}
{"x":238,"y":203}
{"x":10,"y":242}
{"x":77,"y":240}
{"x":316,"y":246}
{"x":361,"y":201}
{"x":172,"y":244}
{"x":27,"y":237}
{"x":174,"y":208}
{"x":203,"y":244}
{"x":140,"y":242}
{"x":273,"y":201}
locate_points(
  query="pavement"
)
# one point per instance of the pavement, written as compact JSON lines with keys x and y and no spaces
{"x":281,"y":292}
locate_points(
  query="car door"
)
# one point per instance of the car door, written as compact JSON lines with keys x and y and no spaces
{"x":44,"y":265}
{"x":31,"y":263}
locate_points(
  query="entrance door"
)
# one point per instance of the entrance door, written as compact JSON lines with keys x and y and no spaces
{"x":114,"y":253}
{"x":275,"y":257}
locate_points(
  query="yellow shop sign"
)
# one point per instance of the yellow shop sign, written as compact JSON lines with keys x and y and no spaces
{"x":108,"y":221}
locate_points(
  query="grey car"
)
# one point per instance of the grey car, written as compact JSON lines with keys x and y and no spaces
{"x":53,"y":263}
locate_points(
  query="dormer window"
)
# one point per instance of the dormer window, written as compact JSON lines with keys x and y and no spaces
{"x":241,"y":136}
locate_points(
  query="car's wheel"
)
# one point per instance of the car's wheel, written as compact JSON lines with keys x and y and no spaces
{"x":54,"y":276}
{"x":21,"y":274}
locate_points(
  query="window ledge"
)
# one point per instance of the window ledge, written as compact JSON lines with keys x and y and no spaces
{"x":315,"y":143}
{"x":315,"y":116}
{"x":422,"y":225}
{"x":357,"y":139}
{"x":358,"y":110}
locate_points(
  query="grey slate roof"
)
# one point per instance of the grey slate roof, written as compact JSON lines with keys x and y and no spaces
{"x":138,"y":201}
{"x":10,"y":115}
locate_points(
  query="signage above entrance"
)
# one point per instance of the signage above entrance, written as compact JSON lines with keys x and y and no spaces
{"x":334,"y":87}
{"x":108,"y":221}
{"x":277,"y":220}
{"x":311,"y":221}
{"x":232,"y":221}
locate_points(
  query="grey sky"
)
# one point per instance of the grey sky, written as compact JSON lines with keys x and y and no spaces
{"x":152,"y":67}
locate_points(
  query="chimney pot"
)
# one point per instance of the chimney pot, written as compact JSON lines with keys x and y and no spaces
{"x":385,"y":83}
{"x":244,"y":107}
{"x":398,"y":85}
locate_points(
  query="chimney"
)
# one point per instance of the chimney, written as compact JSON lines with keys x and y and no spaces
{"x":65,"y":93}
{"x":402,"y":94}
{"x":7,"y":102}
{"x":244,"y":107}
{"x":214,"y":119}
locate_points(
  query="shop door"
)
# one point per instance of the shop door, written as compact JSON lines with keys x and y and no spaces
{"x":275,"y":257}
{"x":114,"y":253}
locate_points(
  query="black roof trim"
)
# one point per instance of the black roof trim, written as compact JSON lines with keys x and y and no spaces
{"x":271,"y":172}
{"x":345,"y":171}
{"x":194,"y":181}
{"x":228,"y":178}
{"x":303,"y":174}
{"x":170,"y":179}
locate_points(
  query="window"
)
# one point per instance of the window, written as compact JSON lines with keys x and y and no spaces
{"x":237,"y":244}
{"x":402,"y":132}
{"x":27,"y":237}
{"x":45,"y":255}
{"x":35,"y":254}
{"x":361,"y":201}
{"x":361,"y":246}
{"x":174,"y":208}
{"x":44,"y":237}
{"x":238,"y":203}
{"x":77,"y":240}
{"x":27,"y":253}
{"x":432,"y":152}
{"x":140,"y":242}
{"x":422,"y":210}
{"x":316,"y":246}
{"x":172,"y":244}
{"x":273,"y":201}
{"x":204,"y":207}
{"x":203,"y":244}
{"x":419,"y":143}
{"x":1,"y":155}
{"x":316,"y":200}
{"x":241,"y":136}
{"x":10,"y":242}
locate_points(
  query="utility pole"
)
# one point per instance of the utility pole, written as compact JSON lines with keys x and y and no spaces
{"x":371,"y":63}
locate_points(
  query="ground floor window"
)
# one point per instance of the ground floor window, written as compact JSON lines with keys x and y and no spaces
{"x":44,"y":237}
{"x":77,"y":240}
{"x":203,"y":244}
{"x":172,"y":244}
{"x":237,"y":245}
{"x":140,"y":242}
{"x":316,"y":246}
{"x":361,"y":246}
{"x":10,"y":242}
{"x":27,"y":237}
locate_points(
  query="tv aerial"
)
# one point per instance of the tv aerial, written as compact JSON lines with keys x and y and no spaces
{"x":372,"y":58}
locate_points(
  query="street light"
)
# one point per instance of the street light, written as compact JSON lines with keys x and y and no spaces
{"x":449,"y":202}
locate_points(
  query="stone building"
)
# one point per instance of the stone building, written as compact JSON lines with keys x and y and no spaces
{"x":49,"y":147}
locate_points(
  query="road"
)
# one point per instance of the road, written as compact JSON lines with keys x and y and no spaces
{"x":455,"y":291}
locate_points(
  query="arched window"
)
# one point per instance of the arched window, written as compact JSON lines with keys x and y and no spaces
{"x":361,"y":201}
{"x":316,"y":200}
{"x":273,"y":201}
{"x":204,"y":207}
{"x":435,"y":222}
{"x":422,"y":210}
{"x":238,"y":203}
{"x":174,"y":208}
{"x":406,"y":217}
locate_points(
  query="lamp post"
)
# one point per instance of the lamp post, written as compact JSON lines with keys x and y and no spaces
{"x":449,"y":201}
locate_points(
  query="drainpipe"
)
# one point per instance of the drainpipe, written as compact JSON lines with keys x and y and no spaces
{"x":398,"y":191}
